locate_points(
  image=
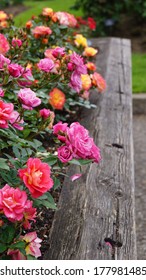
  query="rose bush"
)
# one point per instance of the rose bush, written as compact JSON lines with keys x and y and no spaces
{"x":46,"y":69}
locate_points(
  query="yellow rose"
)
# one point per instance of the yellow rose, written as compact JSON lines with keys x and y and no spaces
{"x":86,"y":81}
{"x":80,"y":40}
{"x":89,"y":51}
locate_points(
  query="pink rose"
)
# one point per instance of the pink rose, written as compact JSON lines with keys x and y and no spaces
{"x":32,"y":247}
{"x":65,"y":154}
{"x":82,"y":144}
{"x":28,"y":98}
{"x":15,"y":254}
{"x":3,"y":61}
{"x":60,"y":129}
{"x":12,"y":202}
{"x":27,"y":78}
{"x":57,"y":52}
{"x":29,"y":214}
{"x":33,"y":244}
{"x":75,"y":177}
{"x":36,"y":177}
{"x":45,"y":113}
{"x":75,"y":81}
{"x":46,"y":64}
{"x":16,"y":42}
{"x":15,"y":70}
{"x":1,"y":92}
{"x":78,"y":63}
{"x":6,"y":110}
{"x":16,"y":121}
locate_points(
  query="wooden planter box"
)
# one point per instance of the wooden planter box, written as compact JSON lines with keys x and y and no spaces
{"x":96,"y":217}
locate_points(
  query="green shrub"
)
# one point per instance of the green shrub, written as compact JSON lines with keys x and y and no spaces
{"x":108,"y":12}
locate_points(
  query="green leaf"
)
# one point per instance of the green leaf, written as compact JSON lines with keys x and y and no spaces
{"x":3,"y":164}
{"x":30,"y":257}
{"x":56,"y":183}
{"x":80,"y":161}
{"x":3,"y":247}
{"x":51,"y":160}
{"x":18,"y":245}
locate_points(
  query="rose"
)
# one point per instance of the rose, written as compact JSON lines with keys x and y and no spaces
{"x":28,"y":98}
{"x":82,"y":144}
{"x":36,"y":177}
{"x":29,"y":214}
{"x":4,"y":45}
{"x":45,"y":113}
{"x":40,"y":31}
{"x":1,"y":92}
{"x":75,"y":81}
{"x":15,"y":70}
{"x":89,"y":51}
{"x":3,"y":61}
{"x":27,"y":78}
{"x":78,"y":63}
{"x":33,"y":244}
{"x":16,"y":121}
{"x":65,"y":153}
{"x":32,"y":247}
{"x":12,"y":202}
{"x":60,"y":130}
{"x":6,"y":110}
{"x":46,"y":64}
{"x":57,"y":99}
{"x":86,"y":81}
{"x":98,"y":81}
{"x":16,"y":42}
{"x":58,"y":52}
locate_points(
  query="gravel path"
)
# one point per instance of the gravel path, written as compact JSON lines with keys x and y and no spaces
{"x":139,"y":133}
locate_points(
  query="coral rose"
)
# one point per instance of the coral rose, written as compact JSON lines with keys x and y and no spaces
{"x":36,"y":177}
{"x":6,"y":110}
{"x":4,"y":45}
{"x":12,"y":202}
{"x":57,"y":99}
{"x":41,"y":31}
{"x":98,"y":81}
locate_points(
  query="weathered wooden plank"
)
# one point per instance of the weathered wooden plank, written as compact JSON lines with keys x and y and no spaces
{"x":99,"y":207}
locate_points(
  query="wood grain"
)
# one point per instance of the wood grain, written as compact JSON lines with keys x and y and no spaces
{"x":98,"y":209}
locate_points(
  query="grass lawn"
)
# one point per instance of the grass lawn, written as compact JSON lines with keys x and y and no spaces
{"x":35,"y":8}
{"x":139,"y":73}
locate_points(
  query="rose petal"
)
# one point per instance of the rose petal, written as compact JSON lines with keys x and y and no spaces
{"x":75,"y":177}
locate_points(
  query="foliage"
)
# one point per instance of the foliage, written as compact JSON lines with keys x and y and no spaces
{"x":6,"y":3}
{"x":107,"y":12}
{"x":46,"y":70}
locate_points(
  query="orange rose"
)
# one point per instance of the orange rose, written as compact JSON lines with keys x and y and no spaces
{"x":3,"y":16}
{"x":57,"y":99}
{"x":91,"y":66}
{"x":86,"y":81}
{"x":28,"y":24}
{"x":47,"y":12}
{"x":89,"y":51}
{"x":40,"y":31}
